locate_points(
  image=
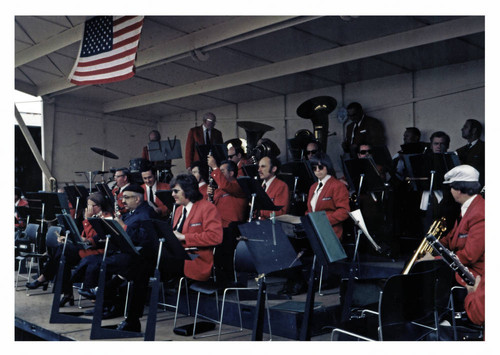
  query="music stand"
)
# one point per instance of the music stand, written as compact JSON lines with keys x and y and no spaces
{"x":109,"y":198}
{"x":77,"y":196}
{"x":363,"y":172}
{"x":255,"y":193}
{"x":251,"y":170}
{"x":420,"y":166}
{"x":176,"y":249}
{"x":55,"y":315}
{"x":271,"y":251}
{"x":219,"y":152}
{"x":166,"y":198}
{"x":327,"y":249}
{"x":119,"y":238}
{"x":165,"y":150}
{"x":298,"y":176}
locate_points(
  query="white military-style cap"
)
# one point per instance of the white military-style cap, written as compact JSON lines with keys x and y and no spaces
{"x":461,"y":173}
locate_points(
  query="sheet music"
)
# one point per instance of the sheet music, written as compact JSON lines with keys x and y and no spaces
{"x":357,"y":217}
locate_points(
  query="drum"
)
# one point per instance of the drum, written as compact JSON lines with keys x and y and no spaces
{"x":138,"y":164}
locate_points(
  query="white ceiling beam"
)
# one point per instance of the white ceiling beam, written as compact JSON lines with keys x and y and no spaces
{"x":399,"y":41}
{"x":53,"y":44}
{"x":197,"y":40}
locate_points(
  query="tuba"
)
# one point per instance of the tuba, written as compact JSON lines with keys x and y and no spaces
{"x":254,"y":131}
{"x":437,"y":230}
{"x":317,"y":110}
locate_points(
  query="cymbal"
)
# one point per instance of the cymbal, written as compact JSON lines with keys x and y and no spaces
{"x":99,"y":172}
{"x":316,"y":106}
{"x":250,"y":126}
{"x":104,"y":152}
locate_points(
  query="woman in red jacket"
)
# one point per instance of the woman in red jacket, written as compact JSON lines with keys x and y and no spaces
{"x":328,"y":194}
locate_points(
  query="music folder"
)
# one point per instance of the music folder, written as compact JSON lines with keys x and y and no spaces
{"x":219,"y":152}
{"x":74,"y":236}
{"x":118,"y":237}
{"x":107,"y":194}
{"x":74,"y":191}
{"x":324,"y":242}
{"x":419,"y":168}
{"x":262,"y":200}
{"x":301,"y":170}
{"x":55,"y":203}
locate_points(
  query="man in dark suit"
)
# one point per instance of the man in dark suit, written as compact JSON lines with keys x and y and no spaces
{"x":204,"y":134}
{"x":362,"y":128}
{"x":473,"y":152}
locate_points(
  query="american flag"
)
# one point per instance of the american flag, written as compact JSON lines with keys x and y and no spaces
{"x":108,"y":50}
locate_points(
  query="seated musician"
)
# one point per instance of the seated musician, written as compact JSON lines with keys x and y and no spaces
{"x":328,"y":194}
{"x":276,"y":189}
{"x":20,"y":201}
{"x":466,"y":239}
{"x":201,"y":174}
{"x":237,"y":155}
{"x":122,"y":179}
{"x":474,"y":301}
{"x":74,"y":255}
{"x":197,"y":224}
{"x":150,"y":186}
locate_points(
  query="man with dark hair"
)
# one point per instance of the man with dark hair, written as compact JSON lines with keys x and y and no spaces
{"x":473,"y":152}
{"x":362,"y":128}
{"x":204,"y":134}
{"x":311,"y":149}
{"x":411,"y":135}
{"x":198,"y":224}
{"x":237,"y":155}
{"x":200,"y":172}
{"x":154,"y":136}
{"x":440,"y":142}
{"x":150,"y":186}
{"x":276,"y":189}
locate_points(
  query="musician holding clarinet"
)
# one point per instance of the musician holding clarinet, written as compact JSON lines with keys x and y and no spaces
{"x":466,"y":239}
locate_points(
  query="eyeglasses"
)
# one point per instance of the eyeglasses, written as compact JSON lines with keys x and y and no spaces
{"x":320,"y":167}
{"x":368,"y":151}
{"x":230,"y":156}
{"x":125,"y":197}
{"x":311,"y":151}
{"x":175,"y":191}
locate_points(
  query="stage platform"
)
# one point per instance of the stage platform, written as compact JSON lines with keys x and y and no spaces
{"x":32,"y":314}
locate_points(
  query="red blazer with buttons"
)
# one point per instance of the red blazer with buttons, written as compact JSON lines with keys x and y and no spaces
{"x":334,"y":200}
{"x":123,"y":209}
{"x":474,"y":304}
{"x":203,"y":229}
{"x":161,"y":206}
{"x":88,"y":234}
{"x":466,"y":239}
{"x":230,"y":199}
{"x":278,"y":193}
{"x":203,"y":189}
{"x":195,"y":135}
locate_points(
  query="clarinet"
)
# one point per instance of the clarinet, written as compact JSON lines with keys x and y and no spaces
{"x":117,"y":207}
{"x":452,"y":260}
{"x":211,"y":181}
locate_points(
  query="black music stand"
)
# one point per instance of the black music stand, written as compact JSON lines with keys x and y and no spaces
{"x":165,"y":196}
{"x":72,"y":236}
{"x":420,"y":166}
{"x":271,"y":251}
{"x":259,"y":199}
{"x":363,"y":176}
{"x":327,"y":249}
{"x":120,"y":240}
{"x":219,"y":152}
{"x":165,"y":150}
{"x":109,"y":199}
{"x":175,"y":248}
{"x":298,"y":175}
{"x":77,"y":196}
{"x":251,"y":170}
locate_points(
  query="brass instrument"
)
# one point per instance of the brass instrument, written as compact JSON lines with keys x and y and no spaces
{"x":437,"y":229}
{"x":211,"y":181}
{"x":317,"y":110}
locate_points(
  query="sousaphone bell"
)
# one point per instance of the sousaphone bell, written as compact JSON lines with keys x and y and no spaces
{"x":317,"y":110}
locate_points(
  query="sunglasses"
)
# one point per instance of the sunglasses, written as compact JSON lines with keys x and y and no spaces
{"x":365,"y":151}
{"x":230,"y":156}
{"x":311,"y":151}
{"x":175,"y":191}
{"x":320,"y":167}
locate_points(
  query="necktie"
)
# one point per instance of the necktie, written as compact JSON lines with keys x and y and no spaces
{"x":320,"y":185}
{"x":264,"y":186}
{"x":151,"y":195}
{"x":181,"y":224}
{"x":207,"y":137}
